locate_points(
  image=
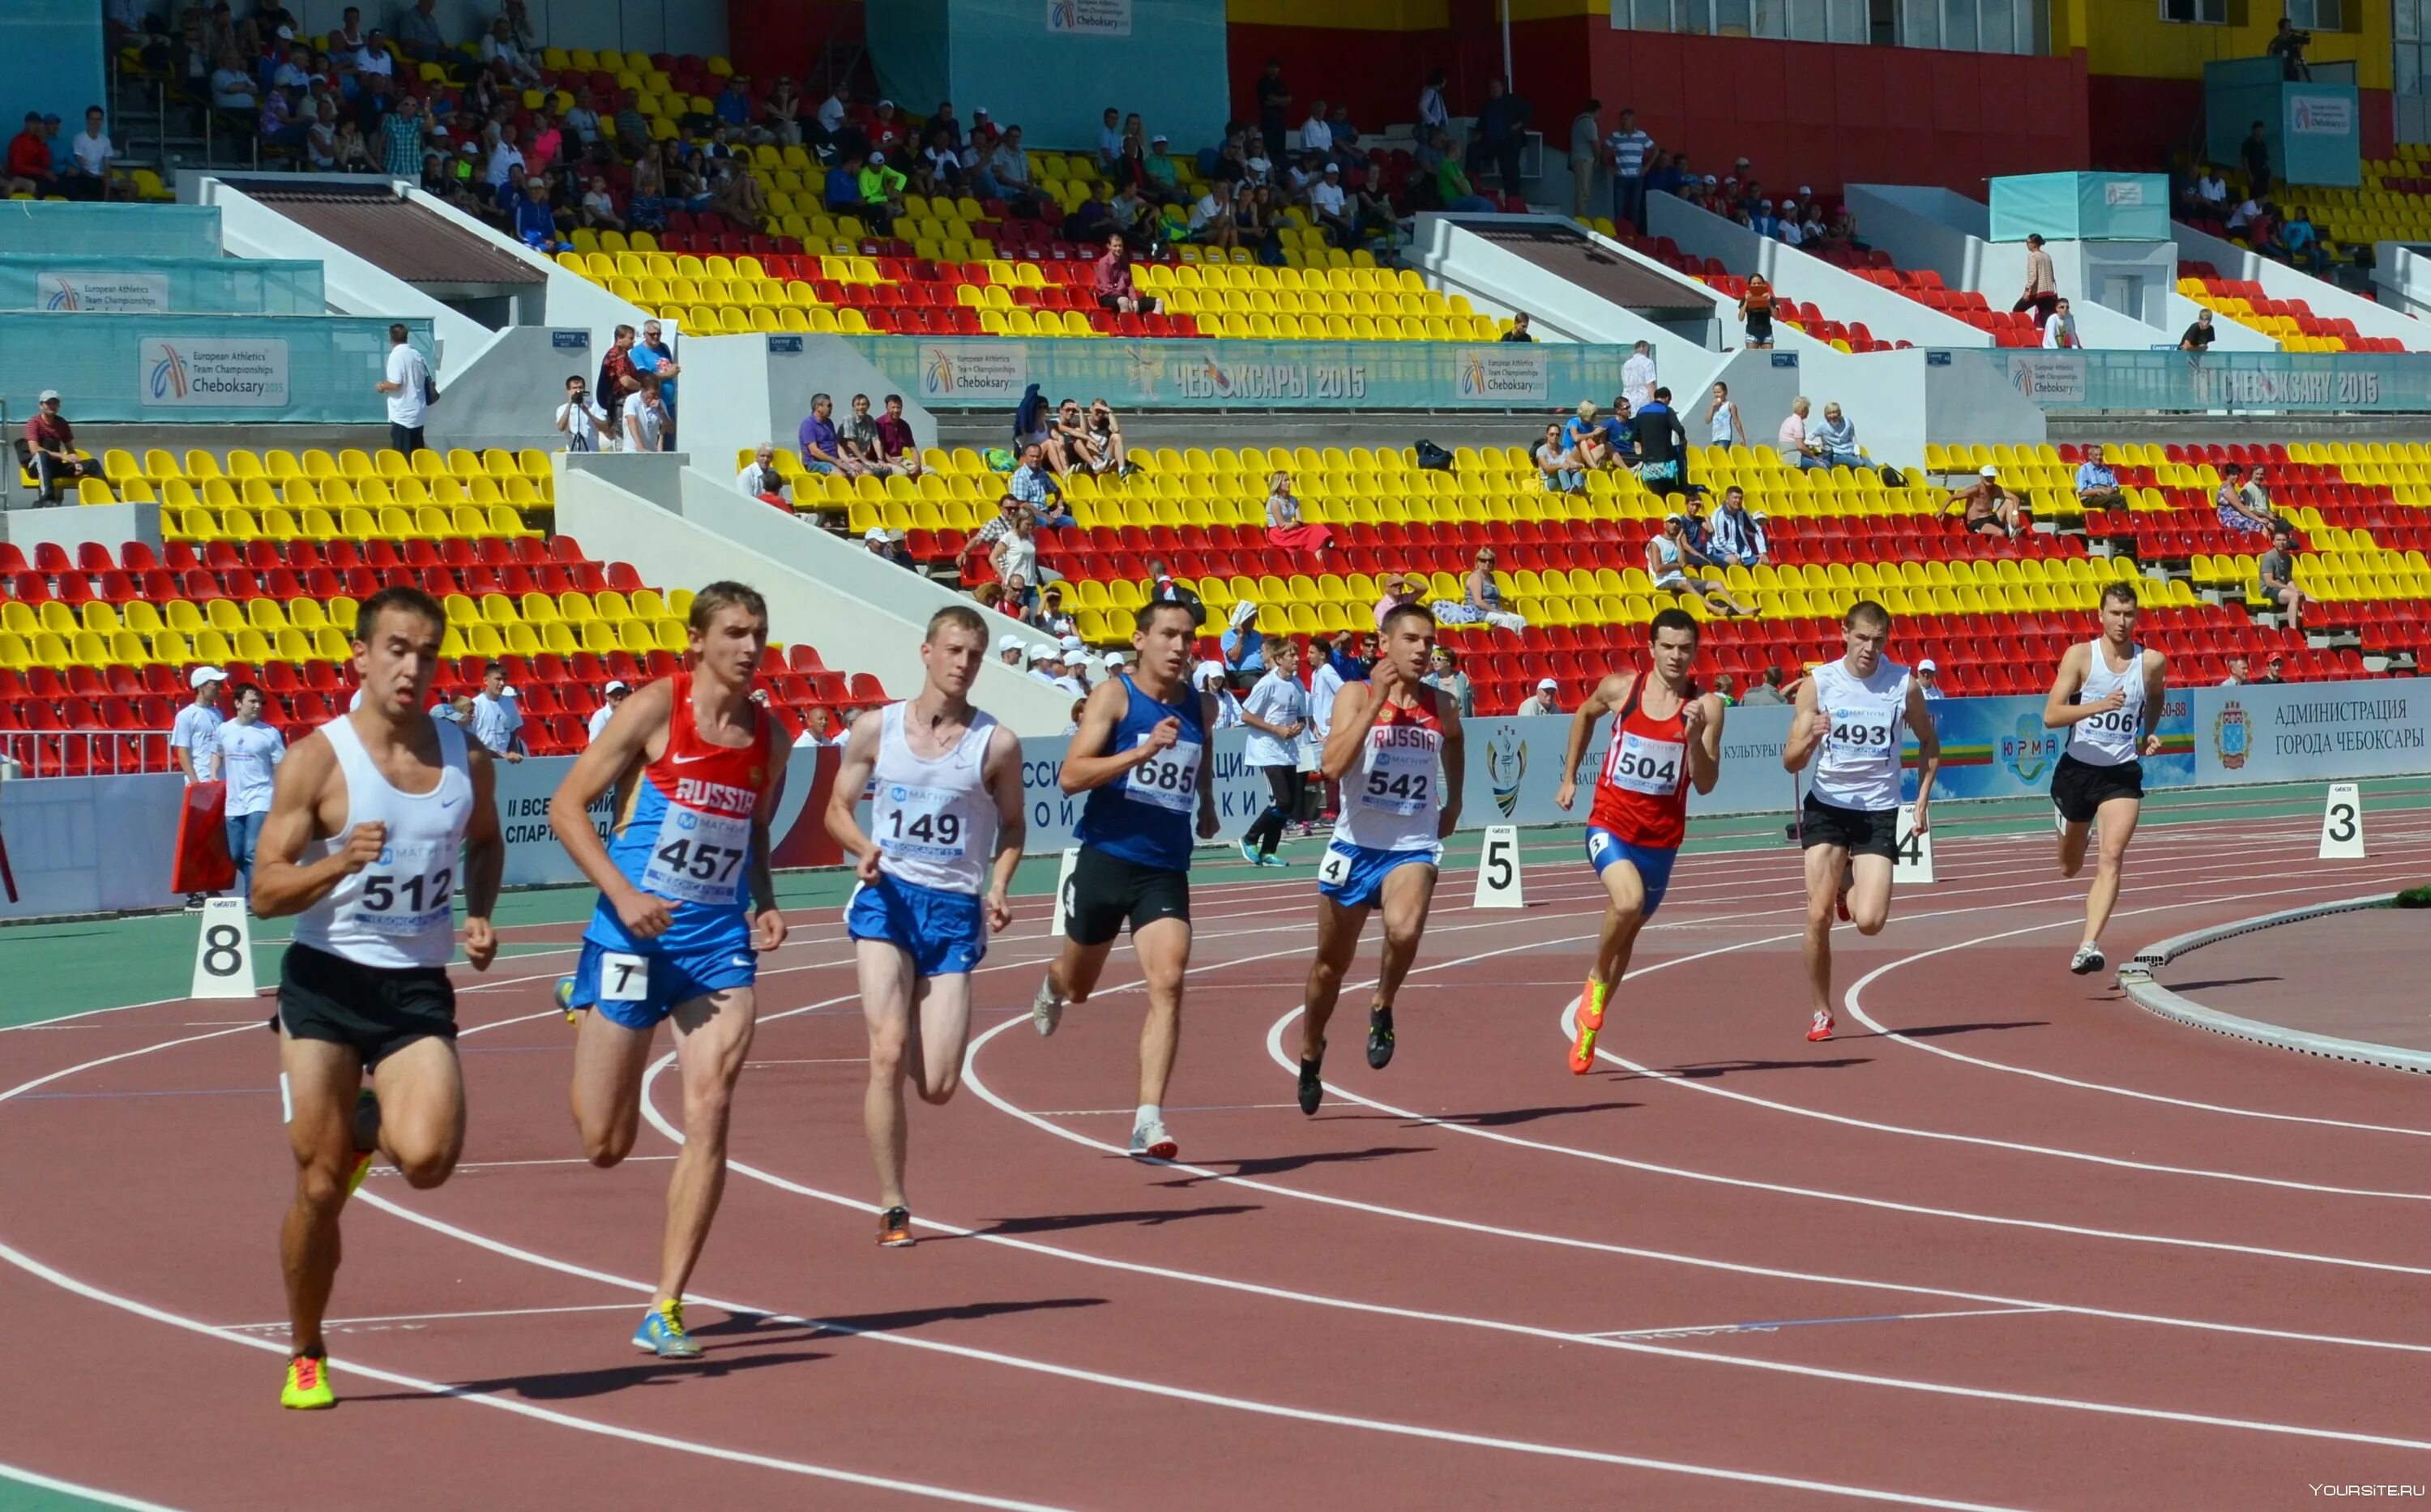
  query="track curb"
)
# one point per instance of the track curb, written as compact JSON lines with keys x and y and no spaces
{"x":2135,"y":979}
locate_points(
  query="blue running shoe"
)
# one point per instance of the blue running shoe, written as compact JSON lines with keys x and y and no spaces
{"x":1249,"y":852}
{"x":663,"y":1334}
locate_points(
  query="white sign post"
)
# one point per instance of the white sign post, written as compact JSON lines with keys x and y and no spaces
{"x":1063,"y":880}
{"x":2342,"y":823}
{"x":224,"y":951}
{"x":1912,"y":862}
{"x":1498,"y":869}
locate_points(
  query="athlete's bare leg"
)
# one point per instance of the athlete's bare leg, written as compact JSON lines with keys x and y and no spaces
{"x":2117,"y":818}
{"x":421,"y":1092}
{"x":1624,"y":914}
{"x":2073,"y":840}
{"x":607,"y":1093}
{"x":1409,"y":892}
{"x":1338,"y":942}
{"x":1163,"y":950}
{"x":1870,"y":894}
{"x":322,"y":1079}
{"x":1824,"y":866}
{"x":917,"y":1027}
{"x":1073,"y":975}
{"x":712,"y":1035}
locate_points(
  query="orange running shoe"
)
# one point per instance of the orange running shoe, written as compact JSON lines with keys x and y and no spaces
{"x":1821,"y":1028}
{"x":895,"y":1228}
{"x":1591,"y":1001}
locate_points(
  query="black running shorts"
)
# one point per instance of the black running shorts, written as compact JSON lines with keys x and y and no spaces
{"x":2080,"y":788}
{"x":1104,"y":892}
{"x":1859,"y":831}
{"x":373,"y":1011}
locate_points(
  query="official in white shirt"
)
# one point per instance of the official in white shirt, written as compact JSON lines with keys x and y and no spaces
{"x":580,"y":420}
{"x":250,"y":752}
{"x":615,"y":693}
{"x":194,"y":740}
{"x":406,"y":383}
{"x":496,"y":722}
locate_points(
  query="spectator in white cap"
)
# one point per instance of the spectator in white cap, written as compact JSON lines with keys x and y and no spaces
{"x":1115,"y":661}
{"x":1043,"y":665}
{"x":194,"y":740}
{"x":1008,"y":651}
{"x":1208,"y":677}
{"x":1075,"y":680}
{"x":1928,"y":677}
{"x":1989,"y":509}
{"x":1544,"y":701}
{"x":614,"y":696}
{"x":51,"y":441}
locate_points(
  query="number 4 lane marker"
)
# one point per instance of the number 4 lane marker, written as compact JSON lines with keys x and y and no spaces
{"x":2342,"y":824}
{"x":224,"y":951}
{"x":1912,"y":862}
{"x":1498,"y":869}
{"x":1062,"y":880}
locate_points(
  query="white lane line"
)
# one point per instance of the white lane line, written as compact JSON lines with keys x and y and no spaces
{"x":503,"y":1164}
{"x":1715,"y":1330}
{"x":46,"y":1483}
{"x":437,"y":1318}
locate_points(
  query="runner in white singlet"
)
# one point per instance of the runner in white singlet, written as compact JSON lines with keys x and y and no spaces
{"x":945,"y":821}
{"x":1851,"y":713}
{"x":378,"y":820}
{"x":2107,"y":694}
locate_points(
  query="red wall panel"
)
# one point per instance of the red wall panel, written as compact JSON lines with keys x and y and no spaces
{"x":772,"y":37}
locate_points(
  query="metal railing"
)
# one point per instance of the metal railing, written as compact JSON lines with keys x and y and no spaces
{"x":35,"y":753}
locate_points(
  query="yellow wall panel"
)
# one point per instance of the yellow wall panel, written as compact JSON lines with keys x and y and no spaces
{"x":2128,"y":37}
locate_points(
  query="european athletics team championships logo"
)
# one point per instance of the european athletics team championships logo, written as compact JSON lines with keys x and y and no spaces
{"x":1506,"y":762}
{"x":1472,"y":375}
{"x":64,"y":297}
{"x":937,"y":378}
{"x":168,"y":375}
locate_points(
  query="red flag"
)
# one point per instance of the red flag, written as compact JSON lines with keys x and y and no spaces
{"x":203,"y":863}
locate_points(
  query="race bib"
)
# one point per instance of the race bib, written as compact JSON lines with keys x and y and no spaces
{"x":920,"y":823}
{"x":1334,"y":868}
{"x":1398,"y":780}
{"x":407,"y":891}
{"x":2123,"y":720}
{"x":697,"y":857}
{"x":623,"y":977}
{"x":1865,"y":733}
{"x":1638,"y":764}
{"x":1168,"y":780}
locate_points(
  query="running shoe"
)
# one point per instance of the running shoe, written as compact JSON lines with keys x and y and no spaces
{"x":2087,"y":960}
{"x":1250,"y":853}
{"x":367,"y":1127}
{"x":307,"y":1384}
{"x":1312,"y":1080}
{"x":1380,"y":1037}
{"x":1046,"y":1009}
{"x":1821,"y":1028}
{"x":1272,"y":861}
{"x":895,"y":1228}
{"x":662,"y":1333}
{"x":1590,"y":1021}
{"x":565,"y":999}
{"x":1149,"y":1138}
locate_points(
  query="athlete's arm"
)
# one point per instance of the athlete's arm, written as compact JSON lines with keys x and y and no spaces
{"x":2059,"y":712}
{"x":851,"y":780}
{"x":2156,"y":688}
{"x":1355,"y":714}
{"x":1098,"y":717}
{"x":1928,"y":749}
{"x":485,"y":858}
{"x":1806,"y":727}
{"x":1209,"y":825}
{"x":1456,"y":763}
{"x":767,"y":919}
{"x":1609,"y":695}
{"x":1705,"y":742}
{"x":625,"y":743}
{"x":1001,"y":772}
{"x":280,"y":886}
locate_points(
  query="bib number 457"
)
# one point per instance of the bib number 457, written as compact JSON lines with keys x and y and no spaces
{"x":701,"y":861}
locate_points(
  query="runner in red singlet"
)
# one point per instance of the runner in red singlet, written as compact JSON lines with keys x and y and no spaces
{"x":1664,"y":735}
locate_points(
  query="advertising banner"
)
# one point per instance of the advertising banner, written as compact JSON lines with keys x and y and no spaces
{"x":179,"y":373}
{"x":2263,"y":732}
{"x":102,"y":293}
{"x":1998,"y":748}
{"x":967,"y":372}
{"x":1089,"y":18}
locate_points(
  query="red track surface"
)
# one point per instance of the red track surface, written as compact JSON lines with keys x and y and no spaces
{"x":2017,"y":1243}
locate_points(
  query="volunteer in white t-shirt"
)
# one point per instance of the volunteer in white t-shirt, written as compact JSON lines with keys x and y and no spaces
{"x":194,"y":740}
{"x":406,"y":383}
{"x":250,"y":752}
{"x":615,"y":693}
{"x":1276,"y":711}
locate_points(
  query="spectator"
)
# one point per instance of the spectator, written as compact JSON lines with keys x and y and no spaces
{"x":1501,"y":132}
{"x":1285,"y":527}
{"x":90,"y":154}
{"x":1275,"y":713}
{"x":1398,"y":588}
{"x":277,"y":123}
{"x":52,"y":442}
{"x":1453,"y":187}
{"x":1211,"y":218}
{"x":898,"y":449}
{"x":2274,"y":670}
{"x":1074,"y":679}
{"x":1164,"y":589}
{"x":2042,"y":283}
{"x":406,"y":383}
{"x":1244,"y":647}
{"x":417,"y":33}
{"x":647,"y":425}
{"x":1662,"y":444}
{"x":881,"y":545}
{"x":29,"y":160}
{"x":2248,"y":211}
{"x":321,"y":137}
{"x":761,"y":479}
{"x":1726,"y":689}
{"x":1100,"y":443}
{"x":1613,"y":437}
{"x":2059,"y":332}
{"x":1035,"y":486}
{"x":1722,"y":423}
{"x":1928,"y":679}
{"x":1326,"y":204}
{"x":1544,"y":701}
{"x":822,"y":450}
{"x":1445,"y":676}
{"x":1629,"y":149}
{"x":1739,"y":537}
{"x":1767,"y":692}
{"x":1316,"y":135}
{"x":879,"y":187}
{"x":1433,"y":115}
{"x":2198,"y":337}
{"x":1563,"y":472}
{"x":2237,"y":675}
{"x":2241,"y":505}
{"x":2255,"y":151}
{"x":732,"y":107}
{"x":1519,"y":332}
{"x":2299,"y":241}
{"x":1274,"y":102}
{"x":1112,"y":281}
{"x":1756,"y":309}
{"x":1835,"y":440}
{"x":2207,"y":198}
{"x":582,"y":121}
{"x":1481,"y":599}
{"x":498,"y":722}
{"x":498,"y":46}
{"x":1669,"y":556}
{"x":2287,"y":44}
{"x":580,"y":420}
{"x":2097,"y":486}
{"x":1638,"y":376}
{"x":233,"y":85}
{"x":400,"y":137}
{"x":989,"y":535}
{"x":1053,"y":619}
{"x":1586,"y":440}
{"x":857,"y":437}
{"x":2275,"y":576}
{"x":1987,"y":507}
{"x":535,"y":220}
{"x":1005,"y":176}
{"x":1586,"y":146}
{"x":632,"y":127}
{"x":1208,"y":677}
{"x":250,"y":752}
{"x":1795,"y":445}
{"x":1015,"y":559}
{"x":193,"y":736}
{"x":617,"y":379}
{"x":598,"y":209}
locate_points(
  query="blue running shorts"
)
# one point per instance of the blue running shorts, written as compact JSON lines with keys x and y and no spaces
{"x":945,"y":934}
{"x":638,"y":988}
{"x":1353,"y":876}
{"x":1654,"y":867}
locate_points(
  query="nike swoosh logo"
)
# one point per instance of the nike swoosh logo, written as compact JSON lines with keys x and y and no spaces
{"x":687,"y":761}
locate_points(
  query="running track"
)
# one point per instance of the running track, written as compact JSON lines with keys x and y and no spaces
{"x":2004,"y":1242}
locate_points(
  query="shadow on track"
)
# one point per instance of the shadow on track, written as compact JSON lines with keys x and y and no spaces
{"x":1063,"y":1222}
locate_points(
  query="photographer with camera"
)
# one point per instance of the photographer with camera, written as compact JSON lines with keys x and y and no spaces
{"x":2288,"y":45}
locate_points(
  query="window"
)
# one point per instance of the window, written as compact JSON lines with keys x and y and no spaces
{"x":2021,"y":26}
{"x":2315,"y":15}
{"x":2210,"y":13}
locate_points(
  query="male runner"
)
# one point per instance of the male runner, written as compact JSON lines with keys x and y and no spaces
{"x":374,"y":820}
{"x":1389,"y":732}
{"x":1664,"y":735}
{"x":2108,"y":696}
{"x":1851,"y":710}
{"x":697,"y":768}
{"x":947,"y":803}
{"x":1141,"y":755}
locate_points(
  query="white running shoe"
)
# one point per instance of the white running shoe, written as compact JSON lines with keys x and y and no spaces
{"x":1046,"y":1010}
{"x":2087,"y":960}
{"x":1149,"y":1138}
